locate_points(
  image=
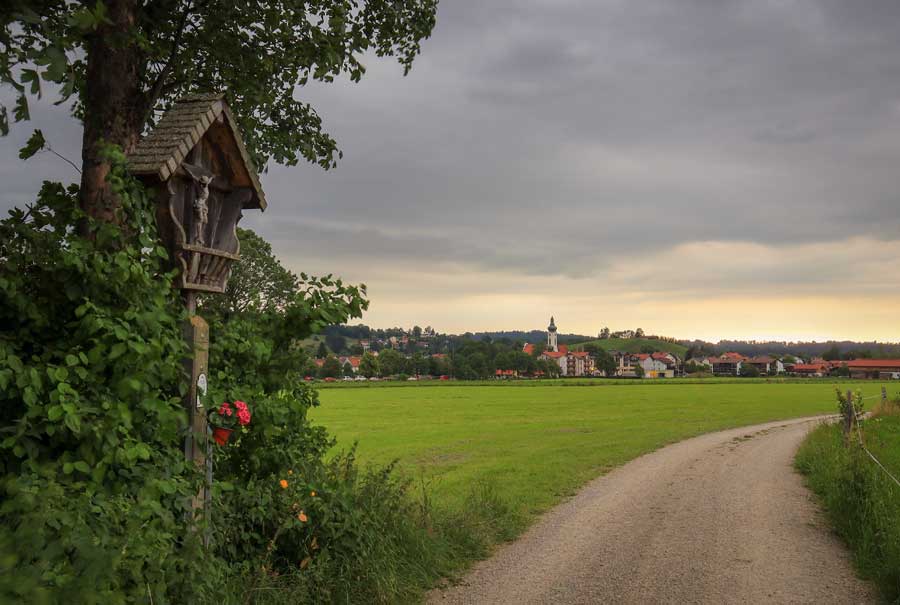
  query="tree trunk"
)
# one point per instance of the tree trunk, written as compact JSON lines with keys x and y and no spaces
{"x":114,"y":104}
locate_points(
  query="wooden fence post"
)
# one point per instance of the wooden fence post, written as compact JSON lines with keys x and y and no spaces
{"x":849,"y":412}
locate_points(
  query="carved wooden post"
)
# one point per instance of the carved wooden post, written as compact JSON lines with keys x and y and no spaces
{"x":196,"y":162}
{"x":196,"y":443}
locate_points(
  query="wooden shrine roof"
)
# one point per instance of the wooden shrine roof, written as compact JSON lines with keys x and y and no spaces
{"x":161,"y":152}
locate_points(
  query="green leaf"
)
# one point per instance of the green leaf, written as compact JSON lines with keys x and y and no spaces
{"x":35,"y":143}
{"x":68,"y":467}
{"x":31,"y":75}
{"x":82,"y":466}
{"x":71,"y":360}
{"x":20,"y":111}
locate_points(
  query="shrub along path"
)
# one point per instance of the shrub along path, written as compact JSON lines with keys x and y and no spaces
{"x":719,"y":518}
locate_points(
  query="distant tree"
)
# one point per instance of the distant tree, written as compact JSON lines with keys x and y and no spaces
{"x":461,"y":368}
{"x":322,"y":351}
{"x":309,"y":368}
{"x":348,"y":369}
{"x":368,"y":366}
{"x":523,"y":363}
{"x":417,"y":332}
{"x":391,"y":362}
{"x":748,"y":370}
{"x":419,"y":364}
{"x":639,"y":371}
{"x":438,"y":366}
{"x":331,"y":368}
{"x":505,"y":360}
{"x":336,"y":342}
{"x":648,"y":349}
{"x":356,"y":349}
{"x":842,"y":371}
{"x":832,"y":354}
{"x":639,"y":333}
{"x":694,"y":368}
{"x":538,"y":349}
{"x":550,"y":368}
{"x":788,"y":359}
{"x":604,"y":333}
{"x":605,"y":362}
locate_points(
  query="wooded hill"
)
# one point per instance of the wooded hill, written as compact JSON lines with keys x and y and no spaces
{"x":636,"y":345}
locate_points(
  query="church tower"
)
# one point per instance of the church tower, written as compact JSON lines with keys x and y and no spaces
{"x":551,"y":337}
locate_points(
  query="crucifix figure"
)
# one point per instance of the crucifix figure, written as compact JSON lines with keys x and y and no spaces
{"x":202,"y":179}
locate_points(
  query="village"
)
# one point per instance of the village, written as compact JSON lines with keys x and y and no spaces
{"x":410,"y":359}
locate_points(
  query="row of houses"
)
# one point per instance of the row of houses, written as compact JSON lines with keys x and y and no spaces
{"x":652,"y":365}
{"x":879,"y":369}
{"x":730,"y":364}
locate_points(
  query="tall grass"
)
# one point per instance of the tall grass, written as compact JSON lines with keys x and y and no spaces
{"x":862,"y":502}
{"x":415,"y":547}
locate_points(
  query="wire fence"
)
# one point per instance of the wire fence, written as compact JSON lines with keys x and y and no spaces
{"x":857,"y":420}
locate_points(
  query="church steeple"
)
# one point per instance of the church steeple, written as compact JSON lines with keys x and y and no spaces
{"x":551,"y":336}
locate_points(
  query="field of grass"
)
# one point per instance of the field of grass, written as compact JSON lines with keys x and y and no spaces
{"x":828,"y":382}
{"x":535,"y":446}
{"x":862,"y":502}
{"x":634,"y":345}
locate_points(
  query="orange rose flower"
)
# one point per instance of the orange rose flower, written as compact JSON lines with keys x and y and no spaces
{"x":283,"y":483}
{"x":302,"y":517}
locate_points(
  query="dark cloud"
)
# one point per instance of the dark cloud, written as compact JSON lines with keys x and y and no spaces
{"x":560,"y":137}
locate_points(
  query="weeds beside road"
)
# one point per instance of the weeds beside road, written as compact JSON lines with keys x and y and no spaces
{"x":861,"y":500}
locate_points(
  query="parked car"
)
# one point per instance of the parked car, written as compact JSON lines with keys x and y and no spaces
{"x":329,"y":379}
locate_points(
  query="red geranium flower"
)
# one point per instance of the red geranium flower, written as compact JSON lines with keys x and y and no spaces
{"x":244,"y":417}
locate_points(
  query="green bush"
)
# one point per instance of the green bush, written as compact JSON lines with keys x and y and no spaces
{"x":862,"y":503}
{"x":94,"y":485}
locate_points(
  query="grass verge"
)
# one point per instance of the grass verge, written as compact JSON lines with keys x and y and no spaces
{"x":862,"y":502}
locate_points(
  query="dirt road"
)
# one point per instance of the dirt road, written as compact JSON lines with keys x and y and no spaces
{"x":721,"y":518}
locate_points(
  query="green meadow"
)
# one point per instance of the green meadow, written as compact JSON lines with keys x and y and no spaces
{"x":534,"y":446}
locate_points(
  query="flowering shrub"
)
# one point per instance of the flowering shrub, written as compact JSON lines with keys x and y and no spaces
{"x":228,"y":417}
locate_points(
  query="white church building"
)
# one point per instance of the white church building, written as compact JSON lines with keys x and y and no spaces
{"x":571,"y":363}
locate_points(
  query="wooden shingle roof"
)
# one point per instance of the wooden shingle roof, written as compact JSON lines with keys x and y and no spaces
{"x":160,"y":153}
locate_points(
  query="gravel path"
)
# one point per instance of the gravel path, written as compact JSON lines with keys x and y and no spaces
{"x":721,"y":518}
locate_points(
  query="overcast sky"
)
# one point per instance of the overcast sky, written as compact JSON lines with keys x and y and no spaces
{"x":698,"y":168}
